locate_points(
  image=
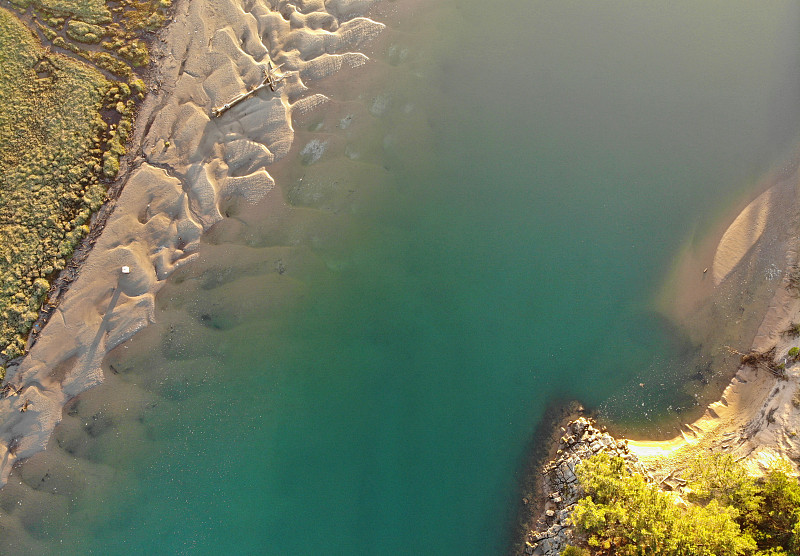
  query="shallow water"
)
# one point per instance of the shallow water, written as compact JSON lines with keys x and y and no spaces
{"x":359,"y":372}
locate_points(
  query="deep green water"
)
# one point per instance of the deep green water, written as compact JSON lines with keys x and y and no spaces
{"x":490,"y":243}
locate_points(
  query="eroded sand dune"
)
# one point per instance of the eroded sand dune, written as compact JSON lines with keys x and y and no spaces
{"x":191,"y":167}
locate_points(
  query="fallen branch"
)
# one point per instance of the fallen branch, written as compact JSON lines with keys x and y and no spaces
{"x":271,"y":79}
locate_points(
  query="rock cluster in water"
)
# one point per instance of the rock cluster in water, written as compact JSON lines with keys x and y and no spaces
{"x":581,"y":440}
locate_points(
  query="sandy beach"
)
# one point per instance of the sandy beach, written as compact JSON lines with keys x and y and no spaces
{"x":742,"y":273}
{"x":757,"y":415}
{"x":188,"y":169}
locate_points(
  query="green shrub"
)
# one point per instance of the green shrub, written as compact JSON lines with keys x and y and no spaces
{"x":722,"y":479}
{"x":84,"y":32}
{"x":776,"y":523}
{"x":107,"y":62}
{"x":135,"y":52}
{"x":730,"y":512}
{"x":794,"y":353}
{"x":89,"y":11}
{"x":623,"y":511}
{"x":574,"y":551}
{"x":769,"y":507}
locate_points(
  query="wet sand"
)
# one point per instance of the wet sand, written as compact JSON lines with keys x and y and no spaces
{"x":189,"y":170}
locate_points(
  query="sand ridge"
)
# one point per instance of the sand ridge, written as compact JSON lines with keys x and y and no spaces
{"x":191,"y":171}
{"x":741,"y":236}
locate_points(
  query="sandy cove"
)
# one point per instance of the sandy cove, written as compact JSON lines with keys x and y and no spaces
{"x":758,"y":415}
{"x":757,"y":418}
{"x":187,"y":170}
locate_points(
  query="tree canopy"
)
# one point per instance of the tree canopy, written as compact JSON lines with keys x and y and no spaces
{"x":726,"y":512}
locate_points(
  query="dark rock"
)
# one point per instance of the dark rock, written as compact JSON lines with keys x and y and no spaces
{"x":580,"y":441}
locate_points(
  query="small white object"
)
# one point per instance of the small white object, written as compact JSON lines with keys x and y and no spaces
{"x":126,"y":270}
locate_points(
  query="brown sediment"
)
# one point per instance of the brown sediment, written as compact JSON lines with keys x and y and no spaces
{"x":188,"y":170}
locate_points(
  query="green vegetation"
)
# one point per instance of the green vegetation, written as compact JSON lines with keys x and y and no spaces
{"x":624,"y":514}
{"x":768,"y":508}
{"x":90,"y":11}
{"x":91,"y":21}
{"x":574,"y":551}
{"x":794,"y":353}
{"x":85,"y":32}
{"x":50,"y":132}
{"x":728,"y":511}
{"x":63,"y":129}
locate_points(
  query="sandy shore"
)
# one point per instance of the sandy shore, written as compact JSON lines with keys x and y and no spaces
{"x":189,"y":170}
{"x":739,"y":274}
{"x":756,"y":417}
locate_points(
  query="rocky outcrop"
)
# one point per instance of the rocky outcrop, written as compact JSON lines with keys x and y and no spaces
{"x":581,"y":440}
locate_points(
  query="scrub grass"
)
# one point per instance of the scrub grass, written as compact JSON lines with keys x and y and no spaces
{"x":117,"y":26}
{"x":50,"y":154}
{"x":64,"y":123}
{"x":90,"y":11}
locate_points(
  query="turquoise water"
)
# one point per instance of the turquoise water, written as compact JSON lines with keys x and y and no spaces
{"x":361,"y":373}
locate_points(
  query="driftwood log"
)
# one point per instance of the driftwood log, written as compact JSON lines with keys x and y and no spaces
{"x":271,"y":80}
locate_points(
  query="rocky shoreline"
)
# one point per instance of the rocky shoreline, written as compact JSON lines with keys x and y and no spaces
{"x":580,"y":440}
